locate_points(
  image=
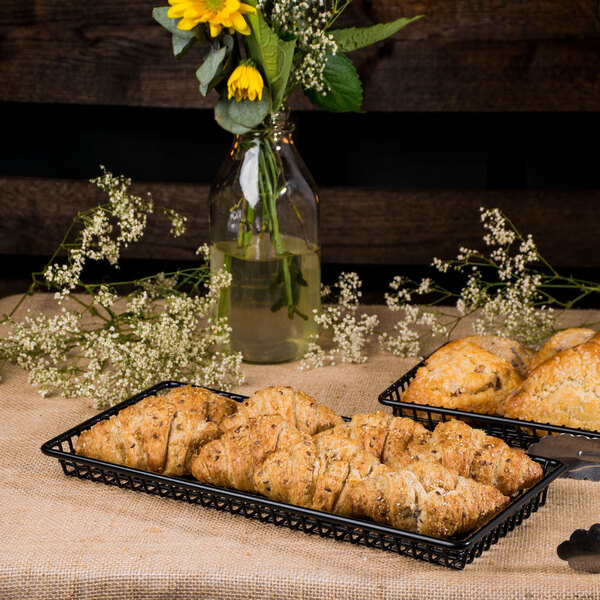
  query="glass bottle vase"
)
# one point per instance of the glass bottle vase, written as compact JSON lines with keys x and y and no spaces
{"x":264,"y":230}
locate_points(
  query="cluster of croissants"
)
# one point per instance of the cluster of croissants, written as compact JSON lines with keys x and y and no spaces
{"x":283,"y":444}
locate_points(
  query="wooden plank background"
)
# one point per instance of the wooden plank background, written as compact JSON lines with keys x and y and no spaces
{"x":467,"y":55}
{"x":407,"y":226}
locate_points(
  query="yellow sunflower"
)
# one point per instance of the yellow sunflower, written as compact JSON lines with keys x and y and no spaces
{"x":217,"y":13}
{"x":245,"y":83}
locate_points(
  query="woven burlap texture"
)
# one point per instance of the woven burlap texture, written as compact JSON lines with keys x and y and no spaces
{"x":65,"y":538}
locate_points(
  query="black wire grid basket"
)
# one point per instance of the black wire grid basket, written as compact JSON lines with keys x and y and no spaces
{"x":515,"y":432}
{"x":453,"y":553}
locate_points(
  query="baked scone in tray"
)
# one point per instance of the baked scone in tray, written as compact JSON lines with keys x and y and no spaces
{"x":504,"y":388}
{"x":282,"y":458}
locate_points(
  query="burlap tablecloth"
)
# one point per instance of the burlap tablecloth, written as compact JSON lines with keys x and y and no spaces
{"x":65,"y":538}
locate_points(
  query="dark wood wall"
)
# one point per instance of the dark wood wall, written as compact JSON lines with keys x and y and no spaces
{"x":481,"y":103}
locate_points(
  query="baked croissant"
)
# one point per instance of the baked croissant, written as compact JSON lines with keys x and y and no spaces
{"x":296,"y":407}
{"x":330,"y":473}
{"x":231,"y":460}
{"x":162,"y":434}
{"x":470,"y":452}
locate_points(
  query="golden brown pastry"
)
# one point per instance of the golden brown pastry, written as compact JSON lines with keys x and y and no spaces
{"x":398,"y":441}
{"x":563,"y":390}
{"x":231,"y":460}
{"x":161,"y":434}
{"x":400,"y":499}
{"x":516,"y":354}
{"x":332,"y":474}
{"x":463,"y":376}
{"x":296,"y":407}
{"x":329,"y":472}
{"x":567,"y":338}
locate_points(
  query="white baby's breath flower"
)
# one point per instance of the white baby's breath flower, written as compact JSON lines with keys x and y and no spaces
{"x":349,"y":331}
{"x":161,"y":333}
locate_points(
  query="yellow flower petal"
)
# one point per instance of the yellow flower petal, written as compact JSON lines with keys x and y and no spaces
{"x":232,"y":5}
{"x":218,"y":13}
{"x":245,"y":83}
{"x":187,"y":24}
{"x":175,"y":12}
{"x":238,"y":22}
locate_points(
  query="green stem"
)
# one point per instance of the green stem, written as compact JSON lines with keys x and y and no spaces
{"x":246,"y":225}
{"x":222,"y":310}
{"x":269,"y":173}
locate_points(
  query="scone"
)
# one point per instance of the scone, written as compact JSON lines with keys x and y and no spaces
{"x":516,"y":354}
{"x":560,"y":341}
{"x":463,"y":376}
{"x":563,"y":390}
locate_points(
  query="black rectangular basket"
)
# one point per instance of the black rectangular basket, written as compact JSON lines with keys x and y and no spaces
{"x":515,"y":432}
{"x":454,"y":553}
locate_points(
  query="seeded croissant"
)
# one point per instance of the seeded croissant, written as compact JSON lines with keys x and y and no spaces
{"x":332,"y":474}
{"x":161,"y":434}
{"x":329,"y":472}
{"x":470,"y":452}
{"x":231,"y":460}
{"x":297,"y":408}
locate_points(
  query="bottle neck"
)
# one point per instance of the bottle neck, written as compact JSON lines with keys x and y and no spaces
{"x":279,"y":122}
{"x":275,"y":127}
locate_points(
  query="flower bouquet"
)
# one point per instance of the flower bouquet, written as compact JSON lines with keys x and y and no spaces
{"x":264,"y":204}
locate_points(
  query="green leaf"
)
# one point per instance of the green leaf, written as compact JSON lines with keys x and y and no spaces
{"x":273,"y":55}
{"x":344,"y":90}
{"x":352,"y":38}
{"x":181,"y":45}
{"x":182,"y":40}
{"x":160,"y":15}
{"x":225,"y":121}
{"x":250,"y":113}
{"x":242,"y":117}
{"x":286,"y":56}
{"x":209,"y":69}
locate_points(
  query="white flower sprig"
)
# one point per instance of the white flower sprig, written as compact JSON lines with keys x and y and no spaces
{"x":108,"y":347}
{"x":511,"y":291}
{"x":349,"y":331}
{"x":307,"y":21}
{"x":95,"y":239}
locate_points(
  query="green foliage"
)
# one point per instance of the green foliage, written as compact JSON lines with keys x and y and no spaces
{"x":241,"y":117}
{"x":250,"y":112}
{"x":353,"y":38}
{"x":344,"y":90}
{"x":215,"y":66}
{"x":182,"y":40}
{"x":208,"y":70}
{"x":225,"y":121}
{"x":273,"y":55}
